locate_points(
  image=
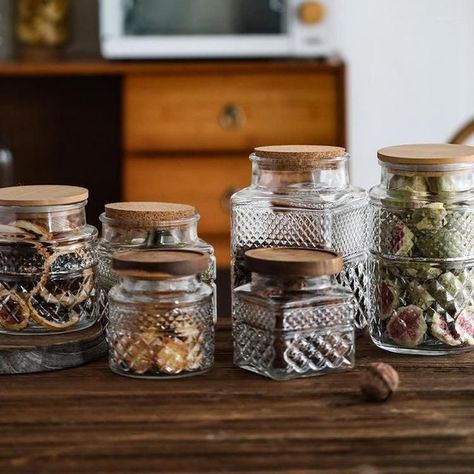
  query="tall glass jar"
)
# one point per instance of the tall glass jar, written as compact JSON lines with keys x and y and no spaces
{"x":47,"y":260}
{"x":422,"y":250}
{"x":300,"y":196}
{"x":293,"y":320}
{"x":161,"y":314}
{"x":148,"y":225}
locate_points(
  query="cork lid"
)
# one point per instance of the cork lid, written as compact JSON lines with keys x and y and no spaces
{"x":158,"y":264}
{"x":42,"y":195}
{"x":148,"y":213}
{"x":290,"y":261}
{"x":427,"y":154}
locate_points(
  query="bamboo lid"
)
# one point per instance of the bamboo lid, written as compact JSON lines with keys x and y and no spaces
{"x":42,"y":195}
{"x":427,"y":154}
{"x":157,"y":264}
{"x":148,"y":213}
{"x":290,"y":261}
{"x":299,"y":152}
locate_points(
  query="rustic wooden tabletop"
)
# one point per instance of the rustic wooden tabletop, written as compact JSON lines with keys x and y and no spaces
{"x":88,"y":420}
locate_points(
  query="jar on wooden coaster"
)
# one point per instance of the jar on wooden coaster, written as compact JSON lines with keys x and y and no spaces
{"x":422,"y":250}
{"x":47,"y":260}
{"x":161,"y":322}
{"x":148,"y":225}
{"x":300,"y":196}
{"x":293,"y":319}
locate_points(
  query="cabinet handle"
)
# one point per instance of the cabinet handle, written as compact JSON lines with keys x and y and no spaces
{"x":231,"y":117}
{"x":225,"y":198}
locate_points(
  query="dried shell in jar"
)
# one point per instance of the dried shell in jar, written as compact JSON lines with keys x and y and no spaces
{"x":52,"y":316}
{"x":134,"y":353}
{"x":14,"y":312}
{"x":172,"y":357}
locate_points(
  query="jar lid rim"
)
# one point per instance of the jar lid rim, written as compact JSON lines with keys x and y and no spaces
{"x":148,"y":212}
{"x":159,"y":263}
{"x":42,"y":195}
{"x":293,"y":261}
{"x":299,"y":152}
{"x":427,"y":154}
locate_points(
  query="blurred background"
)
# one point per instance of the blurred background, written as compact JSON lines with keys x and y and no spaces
{"x":164,"y":99}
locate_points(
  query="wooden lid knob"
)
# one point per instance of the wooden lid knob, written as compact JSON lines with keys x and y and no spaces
{"x":311,"y":13}
{"x":293,"y":261}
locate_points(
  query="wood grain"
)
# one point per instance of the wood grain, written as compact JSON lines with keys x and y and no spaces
{"x":188,"y":112}
{"x":90,"y":420}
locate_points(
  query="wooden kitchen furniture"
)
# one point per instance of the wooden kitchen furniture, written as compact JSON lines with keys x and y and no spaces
{"x":184,"y":132}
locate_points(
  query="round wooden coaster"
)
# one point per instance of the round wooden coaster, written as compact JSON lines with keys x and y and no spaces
{"x":28,"y":354}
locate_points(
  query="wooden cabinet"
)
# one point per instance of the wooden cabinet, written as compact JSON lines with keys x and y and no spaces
{"x":187,"y":132}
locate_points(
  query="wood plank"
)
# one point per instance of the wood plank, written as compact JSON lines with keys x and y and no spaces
{"x":237,"y":112}
{"x":230,"y":420}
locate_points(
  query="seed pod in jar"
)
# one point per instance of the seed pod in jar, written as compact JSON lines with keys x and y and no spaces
{"x":465,"y":325}
{"x":442,"y":331}
{"x":441,"y":244}
{"x":407,"y":327}
{"x":430,"y":217}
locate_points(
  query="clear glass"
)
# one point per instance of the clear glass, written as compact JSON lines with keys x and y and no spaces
{"x":47,"y":269}
{"x":422,"y":246}
{"x":286,"y":328}
{"x":204,"y":17}
{"x":313,"y":206}
{"x":161,"y":328}
{"x":117,"y":235}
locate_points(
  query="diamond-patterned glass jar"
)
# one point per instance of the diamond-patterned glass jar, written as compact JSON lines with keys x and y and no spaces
{"x":47,"y":260}
{"x":300,"y":196}
{"x":293,"y":319}
{"x":422,"y":250}
{"x":161,"y":315}
{"x":147,"y":225}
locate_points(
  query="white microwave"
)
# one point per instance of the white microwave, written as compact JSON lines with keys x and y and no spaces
{"x":173,"y":29}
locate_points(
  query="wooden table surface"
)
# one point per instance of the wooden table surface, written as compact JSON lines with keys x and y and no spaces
{"x":88,"y":420}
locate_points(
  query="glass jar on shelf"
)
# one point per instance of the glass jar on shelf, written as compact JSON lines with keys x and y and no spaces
{"x":148,"y":225}
{"x":422,"y":250}
{"x":47,"y":260}
{"x":293,"y":319}
{"x":161,"y":314}
{"x":300,"y":196}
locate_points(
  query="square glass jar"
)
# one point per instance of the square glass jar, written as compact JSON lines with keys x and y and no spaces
{"x":293,"y":319}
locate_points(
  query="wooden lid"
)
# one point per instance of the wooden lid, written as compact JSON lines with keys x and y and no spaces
{"x":426,"y":154}
{"x":148,"y":213}
{"x":290,"y":261}
{"x":156,"y":264}
{"x":299,"y":152}
{"x":42,"y":195}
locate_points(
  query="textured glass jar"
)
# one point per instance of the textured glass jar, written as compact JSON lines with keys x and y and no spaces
{"x":422,"y":250}
{"x":47,"y":260}
{"x":300,"y":196}
{"x":148,"y":225}
{"x":161,"y":314}
{"x":293,"y":319}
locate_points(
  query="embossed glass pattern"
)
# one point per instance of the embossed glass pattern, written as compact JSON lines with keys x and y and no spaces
{"x":290,"y":328}
{"x":421,"y":281}
{"x":313,"y":207}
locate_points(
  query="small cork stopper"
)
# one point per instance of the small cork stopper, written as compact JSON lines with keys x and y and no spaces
{"x":42,"y":195}
{"x":427,"y":154}
{"x":300,"y":157}
{"x":293,"y":261}
{"x":157,"y":264}
{"x":148,"y":213}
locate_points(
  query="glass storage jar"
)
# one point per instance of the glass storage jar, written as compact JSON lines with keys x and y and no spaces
{"x":47,"y":260}
{"x":148,"y":225}
{"x":161,"y":314}
{"x":422,"y":250}
{"x":300,"y":196}
{"x":293,"y":319}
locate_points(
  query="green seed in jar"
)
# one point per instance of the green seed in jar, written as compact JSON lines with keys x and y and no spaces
{"x":422,"y":271}
{"x":441,"y":331}
{"x":419,"y":296}
{"x":430,"y":217}
{"x":441,"y":244}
